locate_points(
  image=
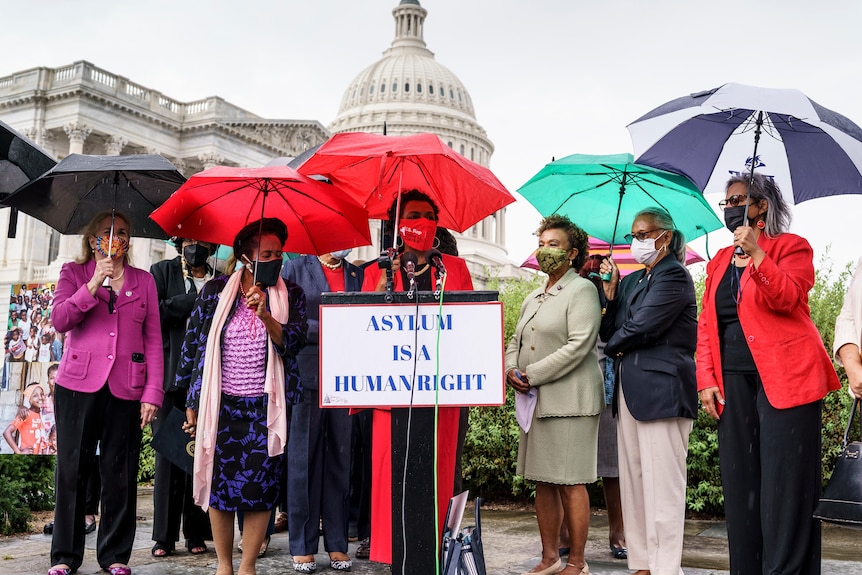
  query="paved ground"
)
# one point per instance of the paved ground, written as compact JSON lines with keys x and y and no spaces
{"x":511,"y":547}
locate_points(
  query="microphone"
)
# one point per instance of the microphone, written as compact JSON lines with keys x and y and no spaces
{"x":436,"y":258}
{"x":410,"y":260}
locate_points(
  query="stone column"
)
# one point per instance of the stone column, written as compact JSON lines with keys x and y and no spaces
{"x":47,"y":140}
{"x":181,"y":165}
{"x":77,"y":133}
{"x":70,"y":245}
{"x":210,"y":160}
{"x":114,"y":145}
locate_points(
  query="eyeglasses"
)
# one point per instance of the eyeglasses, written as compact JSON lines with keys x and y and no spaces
{"x":641,"y":236}
{"x":733,"y":201}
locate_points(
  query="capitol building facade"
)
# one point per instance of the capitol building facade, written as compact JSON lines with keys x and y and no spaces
{"x":81,"y":108}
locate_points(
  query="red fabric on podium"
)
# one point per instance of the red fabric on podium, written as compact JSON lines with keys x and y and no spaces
{"x":381,"y":476}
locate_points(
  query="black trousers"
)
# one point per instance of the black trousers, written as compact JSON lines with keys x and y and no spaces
{"x":360,"y":473}
{"x":770,"y":472}
{"x":83,"y":420}
{"x":318,"y":476}
{"x":172,"y":491}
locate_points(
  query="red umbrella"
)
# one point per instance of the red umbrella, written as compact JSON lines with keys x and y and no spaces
{"x":214,"y":205}
{"x":374,"y":169}
{"x":622,"y":256}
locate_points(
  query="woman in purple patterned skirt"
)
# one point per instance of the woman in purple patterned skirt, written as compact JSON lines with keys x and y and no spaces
{"x":239,"y":365}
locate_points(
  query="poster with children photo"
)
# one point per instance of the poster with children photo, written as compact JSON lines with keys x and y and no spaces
{"x":33,"y":350}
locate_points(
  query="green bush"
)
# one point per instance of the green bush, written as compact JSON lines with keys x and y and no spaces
{"x":491,"y":445}
{"x":147,"y":458}
{"x":28,"y":485}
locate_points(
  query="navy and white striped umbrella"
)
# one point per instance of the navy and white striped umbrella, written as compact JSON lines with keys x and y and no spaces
{"x":809,"y":150}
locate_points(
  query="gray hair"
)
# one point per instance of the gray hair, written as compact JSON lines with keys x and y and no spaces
{"x":778,"y":214}
{"x":661,"y":218}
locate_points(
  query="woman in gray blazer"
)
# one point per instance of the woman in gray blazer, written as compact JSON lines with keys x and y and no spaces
{"x":553,"y":354}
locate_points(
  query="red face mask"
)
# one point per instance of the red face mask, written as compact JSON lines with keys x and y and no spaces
{"x":419,"y":233}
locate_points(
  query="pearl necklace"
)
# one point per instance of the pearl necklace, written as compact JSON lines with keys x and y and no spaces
{"x":328,"y":265}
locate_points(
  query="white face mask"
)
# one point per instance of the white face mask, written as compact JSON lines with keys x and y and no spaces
{"x":643,"y":251}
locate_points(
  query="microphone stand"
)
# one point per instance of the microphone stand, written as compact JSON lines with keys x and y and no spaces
{"x":384,"y":262}
{"x":410,"y":261}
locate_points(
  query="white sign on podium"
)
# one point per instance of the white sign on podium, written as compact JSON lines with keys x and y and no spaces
{"x":376,"y":355}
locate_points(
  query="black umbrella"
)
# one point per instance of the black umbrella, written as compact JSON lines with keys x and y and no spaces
{"x":20,"y":161}
{"x":69,"y":195}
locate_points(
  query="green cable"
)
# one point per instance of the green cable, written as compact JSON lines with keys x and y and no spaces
{"x":436,"y":439}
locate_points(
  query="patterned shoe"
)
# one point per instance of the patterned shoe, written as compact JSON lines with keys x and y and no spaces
{"x":363,"y":551}
{"x":118,"y":570}
{"x":340,"y":564}
{"x":307,"y":567}
{"x":59,"y":571}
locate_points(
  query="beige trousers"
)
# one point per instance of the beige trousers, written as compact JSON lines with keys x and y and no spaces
{"x":652,"y":489}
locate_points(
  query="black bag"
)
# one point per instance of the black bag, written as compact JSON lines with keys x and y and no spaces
{"x":462,"y":552}
{"x":841,"y":502}
{"x":174,"y":443}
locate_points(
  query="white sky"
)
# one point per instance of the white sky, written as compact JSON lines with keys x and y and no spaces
{"x":547,"y":77}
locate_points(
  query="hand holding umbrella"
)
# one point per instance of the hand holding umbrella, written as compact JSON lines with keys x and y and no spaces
{"x":610,"y":275}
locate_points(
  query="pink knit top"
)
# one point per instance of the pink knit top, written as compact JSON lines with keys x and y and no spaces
{"x":244,"y":353}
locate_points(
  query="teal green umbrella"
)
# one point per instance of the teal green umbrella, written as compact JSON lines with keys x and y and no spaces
{"x":602,"y":194}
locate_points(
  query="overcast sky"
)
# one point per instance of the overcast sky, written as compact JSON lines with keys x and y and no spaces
{"x":547,"y":78}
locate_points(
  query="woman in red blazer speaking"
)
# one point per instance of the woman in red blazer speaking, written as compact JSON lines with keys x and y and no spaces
{"x":108,"y":388}
{"x":762,"y":371}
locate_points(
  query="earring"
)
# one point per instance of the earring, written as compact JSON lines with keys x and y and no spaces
{"x":436,"y":243}
{"x":398,"y":242}
{"x":760,"y":224}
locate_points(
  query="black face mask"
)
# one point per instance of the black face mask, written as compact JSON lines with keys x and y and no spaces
{"x":268,"y":272}
{"x":196,"y":255}
{"x":734,"y":217}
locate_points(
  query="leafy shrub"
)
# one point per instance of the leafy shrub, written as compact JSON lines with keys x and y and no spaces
{"x":28,"y":485}
{"x":491,"y":445}
{"x":147,"y":458}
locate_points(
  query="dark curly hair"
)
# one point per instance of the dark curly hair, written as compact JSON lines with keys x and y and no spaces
{"x":248,"y":238}
{"x":578,"y":238}
{"x":410,"y":196}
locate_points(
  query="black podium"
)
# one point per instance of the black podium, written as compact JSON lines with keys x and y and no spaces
{"x":414,"y":540}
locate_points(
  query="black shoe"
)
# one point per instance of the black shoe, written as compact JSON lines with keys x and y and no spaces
{"x":89,"y":527}
{"x":48,"y":529}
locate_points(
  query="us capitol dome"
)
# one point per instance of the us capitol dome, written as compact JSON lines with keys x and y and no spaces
{"x":409,"y":92}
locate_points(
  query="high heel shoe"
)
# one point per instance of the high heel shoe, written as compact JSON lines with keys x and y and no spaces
{"x":552,"y":570}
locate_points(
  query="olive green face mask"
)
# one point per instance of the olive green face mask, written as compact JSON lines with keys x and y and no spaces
{"x":551,"y":259}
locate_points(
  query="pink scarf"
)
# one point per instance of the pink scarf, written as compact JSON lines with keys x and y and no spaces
{"x":210,"y":399}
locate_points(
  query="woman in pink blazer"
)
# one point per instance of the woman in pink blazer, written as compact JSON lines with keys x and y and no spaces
{"x":108,"y":388}
{"x":762,"y":371}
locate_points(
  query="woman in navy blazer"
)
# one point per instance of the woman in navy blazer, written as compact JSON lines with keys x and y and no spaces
{"x":650,"y":326}
{"x":108,"y":387}
{"x":319,"y":439}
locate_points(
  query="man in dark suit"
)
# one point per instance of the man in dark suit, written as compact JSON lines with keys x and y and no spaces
{"x":650,"y":324}
{"x":178,"y":282}
{"x":319,"y":448}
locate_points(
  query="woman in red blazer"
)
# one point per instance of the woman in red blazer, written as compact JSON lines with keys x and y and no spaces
{"x":108,"y":388}
{"x":762,"y":371}
{"x":417,"y":227}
